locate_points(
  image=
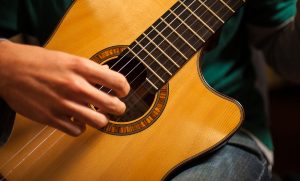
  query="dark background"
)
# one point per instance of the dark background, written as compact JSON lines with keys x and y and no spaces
{"x":285,"y":126}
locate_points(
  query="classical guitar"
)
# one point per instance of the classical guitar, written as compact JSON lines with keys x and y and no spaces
{"x":172,"y":115}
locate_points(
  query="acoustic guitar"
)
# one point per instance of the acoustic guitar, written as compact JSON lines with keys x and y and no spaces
{"x":172,"y":115}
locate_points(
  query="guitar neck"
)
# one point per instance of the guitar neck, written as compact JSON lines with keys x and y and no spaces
{"x":177,"y":35}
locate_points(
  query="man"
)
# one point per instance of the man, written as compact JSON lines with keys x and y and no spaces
{"x":228,"y":68}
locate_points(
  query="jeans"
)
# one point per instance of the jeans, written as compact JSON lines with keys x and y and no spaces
{"x":240,"y":159}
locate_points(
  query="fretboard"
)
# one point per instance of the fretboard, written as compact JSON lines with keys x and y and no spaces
{"x":176,"y":36}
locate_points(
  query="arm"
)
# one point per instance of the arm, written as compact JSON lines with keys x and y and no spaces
{"x":50,"y":87}
{"x":280,"y":46}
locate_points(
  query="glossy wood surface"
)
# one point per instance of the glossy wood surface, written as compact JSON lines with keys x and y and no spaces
{"x":194,"y":121}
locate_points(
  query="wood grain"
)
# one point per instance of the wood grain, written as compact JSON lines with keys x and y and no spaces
{"x":195,"y":119}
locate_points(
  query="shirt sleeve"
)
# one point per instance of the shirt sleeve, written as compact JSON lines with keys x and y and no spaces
{"x":280,"y":45}
{"x":7,"y":117}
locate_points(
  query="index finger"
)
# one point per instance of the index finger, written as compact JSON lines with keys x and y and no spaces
{"x":98,"y":74}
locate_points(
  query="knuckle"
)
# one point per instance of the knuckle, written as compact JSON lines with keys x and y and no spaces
{"x":77,"y":63}
{"x":77,"y":86}
{"x":62,"y":82}
{"x":70,"y":83}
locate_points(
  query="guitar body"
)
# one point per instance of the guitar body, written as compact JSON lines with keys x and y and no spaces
{"x":191,"y":119}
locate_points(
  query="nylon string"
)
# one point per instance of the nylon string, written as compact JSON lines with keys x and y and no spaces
{"x":102,"y":86}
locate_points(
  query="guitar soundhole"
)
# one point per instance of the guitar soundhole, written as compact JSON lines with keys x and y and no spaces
{"x":138,"y":101}
{"x":143,"y":107}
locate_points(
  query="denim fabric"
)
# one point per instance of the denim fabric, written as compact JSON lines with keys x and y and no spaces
{"x":240,"y":159}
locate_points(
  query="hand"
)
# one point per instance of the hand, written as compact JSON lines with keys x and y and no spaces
{"x":50,"y":87}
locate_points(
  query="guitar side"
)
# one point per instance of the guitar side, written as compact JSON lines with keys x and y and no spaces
{"x":195,"y":119}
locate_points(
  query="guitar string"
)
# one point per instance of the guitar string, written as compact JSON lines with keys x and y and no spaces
{"x":45,"y":128}
{"x":140,"y":98}
{"x":202,"y":3}
{"x":20,"y":162}
{"x":23,"y":147}
{"x":120,"y":59}
{"x":58,"y":139}
{"x":176,"y":39}
{"x":40,"y":143}
{"x":125,"y":76}
{"x":159,"y":43}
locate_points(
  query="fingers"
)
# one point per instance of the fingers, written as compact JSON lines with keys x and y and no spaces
{"x":79,"y":123}
{"x":89,"y":116}
{"x":65,"y":125}
{"x":102,"y":75}
{"x":82,"y":92}
{"x":81,"y":116}
{"x":105,"y":66}
{"x":105,"y":102}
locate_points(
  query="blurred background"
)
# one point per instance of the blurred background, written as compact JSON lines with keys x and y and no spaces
{"x":284,"y":98}
{"x":285,"y":126}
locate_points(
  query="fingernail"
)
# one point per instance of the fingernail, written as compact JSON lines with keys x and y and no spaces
{"x":105,"y":66}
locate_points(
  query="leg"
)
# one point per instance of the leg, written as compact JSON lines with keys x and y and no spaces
{"x":240,"y":159}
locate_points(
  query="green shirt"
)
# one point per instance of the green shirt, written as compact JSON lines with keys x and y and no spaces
{"x":227,"y":68}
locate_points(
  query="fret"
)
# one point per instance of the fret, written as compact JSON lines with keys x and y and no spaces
{"x":175,"y":37}
{"x":173,"y":21}
{"x":188,"y":27}
{"x":165,"y":46}
{"x":205,"y":15}
{"x":178,"y":34}
{"x":168,"y":33}
{"x":163,"y":52}
{"x":193,"y":22}
{"x":149,"y":68}
{"x":169,"y":43}
{"x":219,"y":8}
{"x":225,"y":4}
{"x":161,"y":65}
{"x":154,"y":65}
{"x":208,"y":27}
{"x":234,"y":3}
{"x":151,"y":83}
{"x":212,"y":12}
